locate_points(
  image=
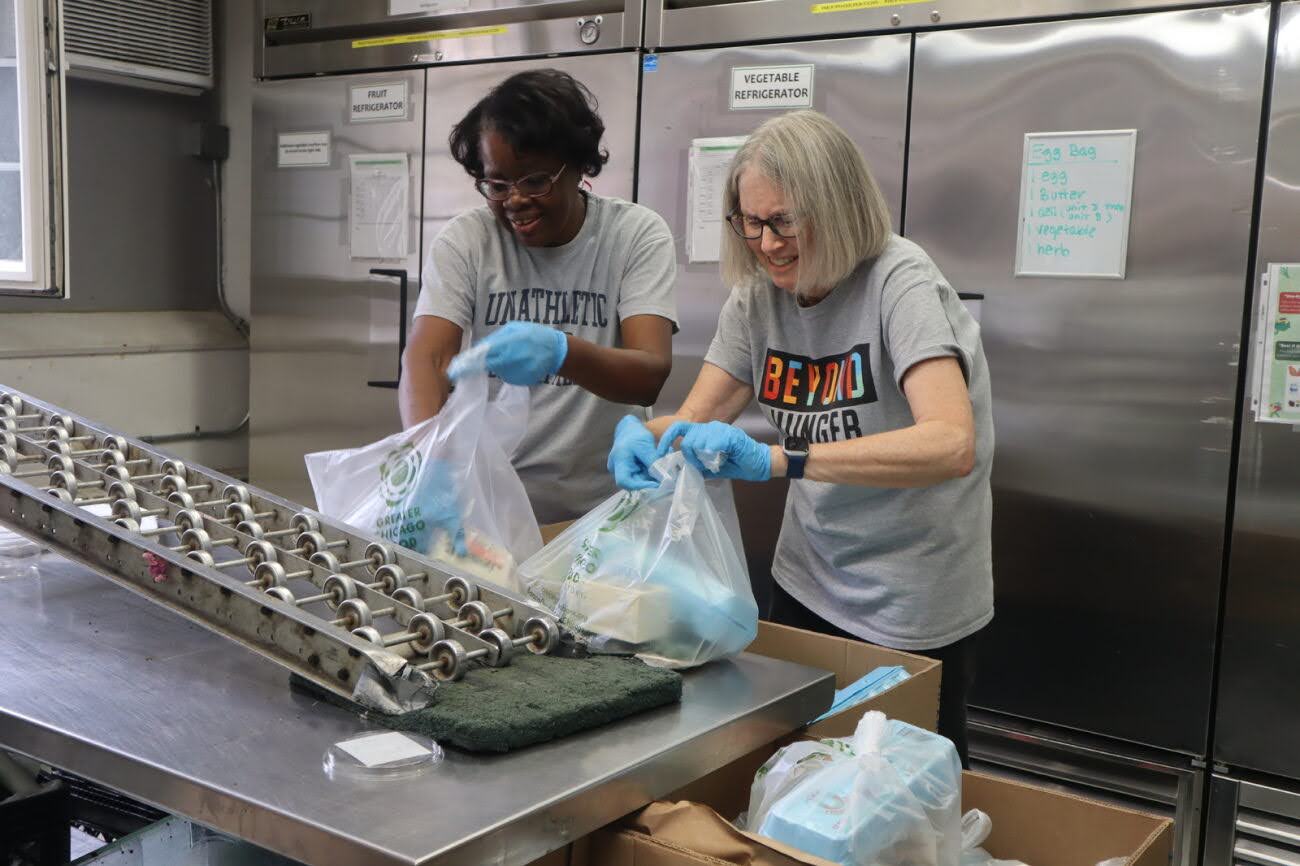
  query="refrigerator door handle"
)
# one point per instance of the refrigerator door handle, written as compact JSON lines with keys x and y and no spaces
{"x":400,"y":274}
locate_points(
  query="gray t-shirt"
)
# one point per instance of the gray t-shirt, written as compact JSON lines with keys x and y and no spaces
{"x":620,"y":264}
{"x":905,"y":568}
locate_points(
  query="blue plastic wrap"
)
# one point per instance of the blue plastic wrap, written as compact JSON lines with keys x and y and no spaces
{"x":896,"y":802}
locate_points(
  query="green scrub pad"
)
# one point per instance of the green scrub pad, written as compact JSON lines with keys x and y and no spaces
{"x":531,"y":700}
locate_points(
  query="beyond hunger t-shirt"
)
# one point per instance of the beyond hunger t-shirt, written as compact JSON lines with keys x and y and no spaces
{"x":907,"y":568}
{"x":621,"y":264}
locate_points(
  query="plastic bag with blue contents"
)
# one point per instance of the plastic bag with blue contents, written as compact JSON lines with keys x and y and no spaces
{"x":445,"y":488}
{"x":785,"y":770}
{"x":895,"y":802}
{"x":654,"y":573}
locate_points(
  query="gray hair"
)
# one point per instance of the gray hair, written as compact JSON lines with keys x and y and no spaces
{"x":828,"y":188}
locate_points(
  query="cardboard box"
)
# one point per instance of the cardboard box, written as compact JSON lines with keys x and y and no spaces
{"x":550,"y":530}
{"x":1031,"y":824}
{"x":915,"y":700}
{"x":559,"y":857}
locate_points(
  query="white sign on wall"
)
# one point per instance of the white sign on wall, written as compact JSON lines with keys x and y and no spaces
{"x":301,"y":149}
{"x":380,"y":209}
{"x":385,"y":100}
{"x":771,"y":87}
{"x":708,"y":165}
{"x":1075,"y":193}
{"x":1276,"y":396}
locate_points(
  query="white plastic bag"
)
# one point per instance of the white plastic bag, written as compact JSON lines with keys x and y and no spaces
{"x":458,"y":460}
{"x":896,"y":802}
{"x":654,"y":573}
{"x":783,"y":772}
{"x":975,"y":828}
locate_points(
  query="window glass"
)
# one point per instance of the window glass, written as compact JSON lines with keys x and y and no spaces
{"x":11,"y":216}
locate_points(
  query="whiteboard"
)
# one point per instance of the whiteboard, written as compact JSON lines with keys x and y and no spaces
{"x":1076,"y":189}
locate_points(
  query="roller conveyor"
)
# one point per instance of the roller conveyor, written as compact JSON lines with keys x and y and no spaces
{"x":99,"y":685}
{"x":359,"y":616}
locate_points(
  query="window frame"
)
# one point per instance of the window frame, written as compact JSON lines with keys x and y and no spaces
{"x":42,"y":149}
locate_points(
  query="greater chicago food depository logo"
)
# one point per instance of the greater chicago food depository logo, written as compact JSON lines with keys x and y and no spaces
{"x":398,"y":474}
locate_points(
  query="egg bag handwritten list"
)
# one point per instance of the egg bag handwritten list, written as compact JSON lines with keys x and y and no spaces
{"x":1075,"y":193}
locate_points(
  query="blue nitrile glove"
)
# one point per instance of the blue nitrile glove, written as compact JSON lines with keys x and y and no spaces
{"x":524,"y":353}
{"x":742,"y":457}
{"x":633,"y":452}
{"x":434,"y":506}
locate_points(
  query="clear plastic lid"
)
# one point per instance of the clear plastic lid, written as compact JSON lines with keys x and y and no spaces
{"x":380,"y":755}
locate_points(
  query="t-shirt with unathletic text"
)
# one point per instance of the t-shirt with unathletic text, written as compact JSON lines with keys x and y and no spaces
{"x":620,"y":264}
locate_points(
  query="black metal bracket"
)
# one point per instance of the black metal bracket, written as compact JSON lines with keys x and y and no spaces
{"x":400,"y":275}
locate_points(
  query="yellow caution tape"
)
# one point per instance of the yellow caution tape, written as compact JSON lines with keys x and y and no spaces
{"x":851,"y":5}
{"x":407,"y":38}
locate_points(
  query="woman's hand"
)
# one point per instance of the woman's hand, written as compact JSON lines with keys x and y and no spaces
{"x":742,"y":457}
{"x":633,"y":452}
{"x":525,"y":353}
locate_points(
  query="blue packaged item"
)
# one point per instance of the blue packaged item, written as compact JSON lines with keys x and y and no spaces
{"x":865,"y":688}
{"x":895,"y":802}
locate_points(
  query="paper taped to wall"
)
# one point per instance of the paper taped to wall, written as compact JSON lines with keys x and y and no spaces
{"x":1276,"y":396}
{"x":379,"y":206}
{"x":709,"y":162}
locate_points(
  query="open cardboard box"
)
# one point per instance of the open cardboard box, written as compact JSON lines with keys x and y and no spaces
{"x":915,"y":700}
{"x":1035,"y":825}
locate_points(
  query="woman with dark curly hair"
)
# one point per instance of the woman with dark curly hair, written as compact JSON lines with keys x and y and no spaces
{"x":571,"y":292}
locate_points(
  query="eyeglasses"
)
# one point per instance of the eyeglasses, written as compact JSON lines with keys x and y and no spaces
{"x":533,"y":185}
{"x":750,"y":228}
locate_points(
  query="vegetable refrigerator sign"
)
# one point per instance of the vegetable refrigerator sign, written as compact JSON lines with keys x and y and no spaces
{"x":771,"y":87}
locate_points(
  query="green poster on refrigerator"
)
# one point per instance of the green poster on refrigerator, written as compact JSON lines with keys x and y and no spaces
{"x":1277,"y":394}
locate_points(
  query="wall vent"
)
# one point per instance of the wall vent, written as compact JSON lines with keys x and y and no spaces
{"x":144,"y":42}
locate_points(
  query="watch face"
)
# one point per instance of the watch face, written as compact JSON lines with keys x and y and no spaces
{"x":796,"y":444}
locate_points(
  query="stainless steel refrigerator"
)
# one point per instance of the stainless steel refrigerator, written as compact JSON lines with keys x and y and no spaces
{"x":1113,"y":398}
{"x":1255,"y":792}
{"x":327,"y":332}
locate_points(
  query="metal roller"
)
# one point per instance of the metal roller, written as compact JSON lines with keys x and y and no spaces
{"x":422,"y":633}
{"x":72,"y":460}
{"x":450,"y":660}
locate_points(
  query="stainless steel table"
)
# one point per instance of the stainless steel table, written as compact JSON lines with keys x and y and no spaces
{"x":106,"y":685}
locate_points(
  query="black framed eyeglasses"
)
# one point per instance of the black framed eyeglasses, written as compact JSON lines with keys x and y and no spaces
{"x":533,"y":185}
{"x":751,"y":228}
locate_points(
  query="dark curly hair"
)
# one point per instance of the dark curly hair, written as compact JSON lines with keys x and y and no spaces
{"x":539,"y":111}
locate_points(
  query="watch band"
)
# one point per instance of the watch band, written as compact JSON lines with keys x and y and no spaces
{"x":796,"y":456}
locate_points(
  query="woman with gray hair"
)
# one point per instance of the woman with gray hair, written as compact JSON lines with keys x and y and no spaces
{"x":870,"y":368}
